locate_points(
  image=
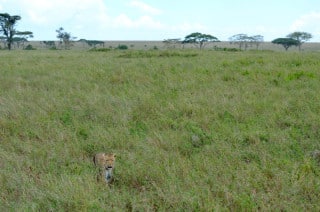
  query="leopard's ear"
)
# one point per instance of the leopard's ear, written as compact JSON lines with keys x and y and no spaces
{"x":114,"y":155}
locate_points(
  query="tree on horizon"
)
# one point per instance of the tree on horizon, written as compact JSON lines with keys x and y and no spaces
{"x":286,"y":42}
{"x":65,"y":37}
{"x":200,"y":40}
{"x":301,"y":37}
{"x":7,"y":24}
{"x":243,"y":40}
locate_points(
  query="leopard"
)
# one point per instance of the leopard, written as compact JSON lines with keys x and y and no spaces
{"x":105,"y":164}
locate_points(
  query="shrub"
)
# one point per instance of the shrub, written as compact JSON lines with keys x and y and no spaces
{"x":100,"y":49}
{"x":122,"y":47}
{"x":226,"y":49}
{"x":29,"y":47}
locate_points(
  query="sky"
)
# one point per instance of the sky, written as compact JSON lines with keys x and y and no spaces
{"x":164,"y":19}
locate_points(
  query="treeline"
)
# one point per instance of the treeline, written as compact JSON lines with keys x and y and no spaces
{"x":11,"y":37}
{"x":242,"y":40}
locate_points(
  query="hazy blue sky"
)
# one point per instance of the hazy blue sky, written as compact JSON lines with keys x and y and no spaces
{"x":163,"y":19}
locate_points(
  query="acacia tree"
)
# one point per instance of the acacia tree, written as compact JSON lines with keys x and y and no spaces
{"x":243,"y":40}
{"x":65,"y":37}
{"x":301,"y":37}
{"x":240,"y":39}
{"x":286,"y":42}
{"x":200,"y":40}
{"x":171,"y":43}
{"x":23,"y":37}
{"x":7,"y":24}
{"x":257,"y":40}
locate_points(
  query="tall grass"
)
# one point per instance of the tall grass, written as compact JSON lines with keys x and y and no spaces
{"x":194,"y":131}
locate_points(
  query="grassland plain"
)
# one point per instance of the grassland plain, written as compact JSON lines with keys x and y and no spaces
{"x":193,"y":131}
{"x":145,"y":45}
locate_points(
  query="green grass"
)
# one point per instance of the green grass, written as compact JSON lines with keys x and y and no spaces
{"x":193,"y":130}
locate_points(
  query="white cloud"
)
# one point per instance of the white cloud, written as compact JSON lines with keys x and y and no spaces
{"x":308,"y":21}
{"x":149,"y":22}
{"x":189,"y":27}
{"x":145,"y":7}
{"x":85,"y":14}
{"x":60,"y":11}
{"x":143,"y":21}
